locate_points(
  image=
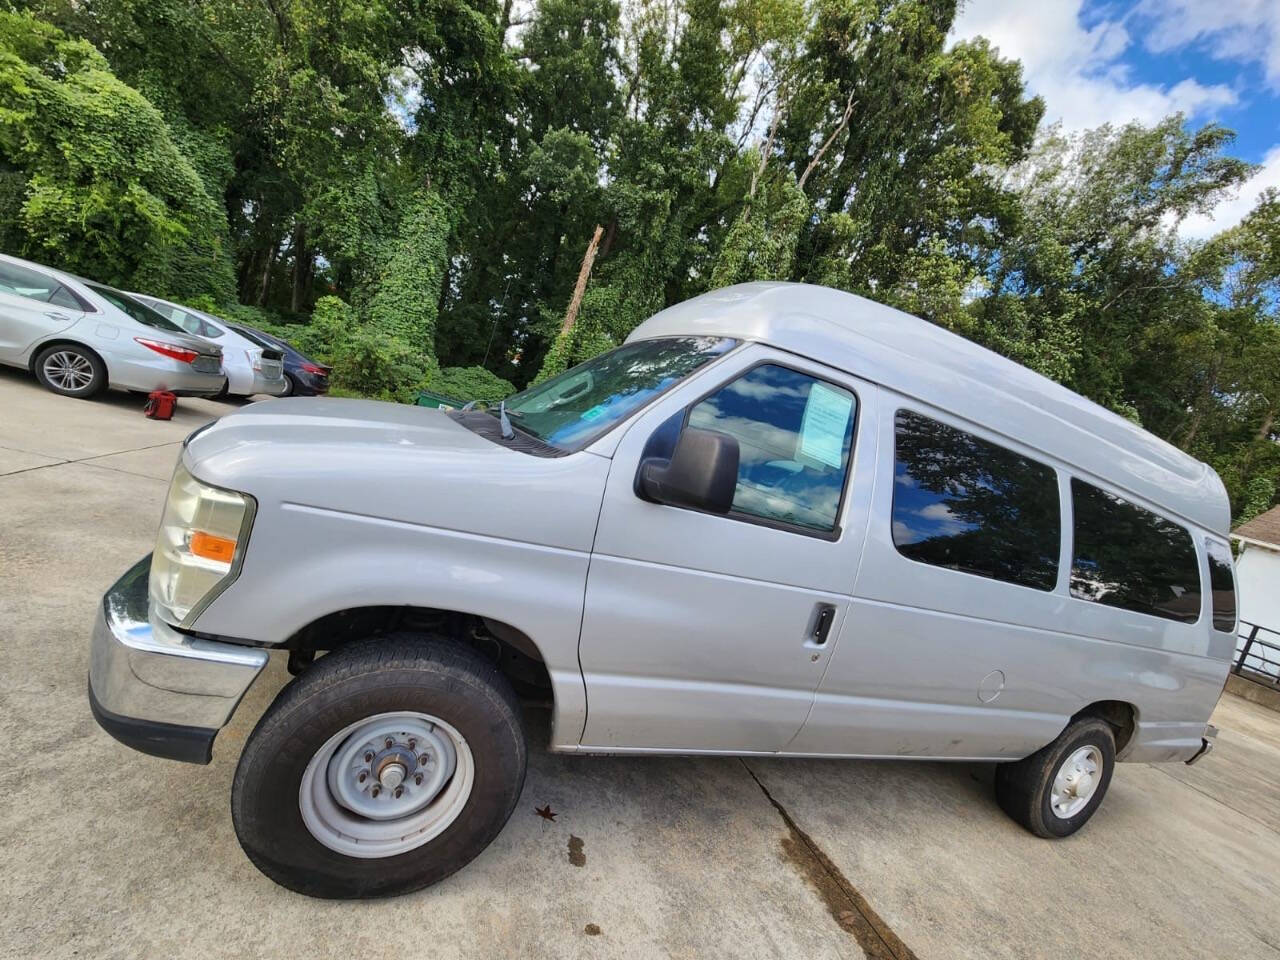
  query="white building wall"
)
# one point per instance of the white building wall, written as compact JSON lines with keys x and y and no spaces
{"x":1258,"y":586}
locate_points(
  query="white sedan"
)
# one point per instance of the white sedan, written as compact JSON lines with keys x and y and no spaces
{"x":251,"y":366}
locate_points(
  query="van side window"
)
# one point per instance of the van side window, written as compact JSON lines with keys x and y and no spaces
{"x":1222,"y":583}
{"x":795,"y":436}
{"x":1126,"y":556}
{"x":970,"y":505}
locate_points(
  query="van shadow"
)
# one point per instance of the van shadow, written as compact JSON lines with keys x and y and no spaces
{"x":853,"y":794}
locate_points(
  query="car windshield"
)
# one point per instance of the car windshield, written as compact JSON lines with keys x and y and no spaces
{"x":135,"y":308}
{"x":581,"y":404}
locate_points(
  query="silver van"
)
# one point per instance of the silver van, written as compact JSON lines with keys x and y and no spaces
{"x":779,"y":520}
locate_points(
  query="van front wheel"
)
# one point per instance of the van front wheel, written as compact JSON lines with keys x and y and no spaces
{"x":1055,"y":791}
{"x":383,"y":768}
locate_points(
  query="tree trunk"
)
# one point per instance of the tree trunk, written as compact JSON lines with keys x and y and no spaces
{"x":265,"y":286}
{"x":588,"y":259}
{"x":247,"y":274}
{"x":443,"y":298}
{"x":1268,"y":421}
{"x":610,"y":235}
{"x":844,"y":122}
{"x":301,"y":268}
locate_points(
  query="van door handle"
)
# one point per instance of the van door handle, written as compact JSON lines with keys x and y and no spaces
{"x":822,"y":624}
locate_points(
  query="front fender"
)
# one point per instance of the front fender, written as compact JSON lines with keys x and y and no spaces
{"x":305,"y":562}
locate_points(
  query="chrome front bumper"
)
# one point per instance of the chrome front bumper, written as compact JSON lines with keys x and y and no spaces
{"x":156,"y":689}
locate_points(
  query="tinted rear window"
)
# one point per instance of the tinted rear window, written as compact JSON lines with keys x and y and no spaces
{"x":963,"y":502}
{"x":21,"y":282}
{"x":1222,"y":582}
{"x":135,"y":308}
{"x":1123,"y":555}
{"x":251,"y":335}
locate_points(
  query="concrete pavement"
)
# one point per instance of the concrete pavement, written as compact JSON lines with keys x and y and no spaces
{"x":109,"y":853}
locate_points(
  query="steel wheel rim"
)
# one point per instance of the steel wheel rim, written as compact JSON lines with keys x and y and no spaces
{"x":406,"y":796}
{"x":1076,"y":782}
{"x":68,"y":370}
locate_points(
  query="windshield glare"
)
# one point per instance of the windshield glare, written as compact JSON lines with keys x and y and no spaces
{"x":582,"y":404}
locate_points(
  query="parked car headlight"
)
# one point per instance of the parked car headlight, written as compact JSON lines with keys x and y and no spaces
{"x":201,"y":544}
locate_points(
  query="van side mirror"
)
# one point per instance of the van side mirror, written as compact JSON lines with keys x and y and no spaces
{"x":702,"y":472}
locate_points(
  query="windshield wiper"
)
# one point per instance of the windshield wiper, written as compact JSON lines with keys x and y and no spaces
{"x":508,"y":432}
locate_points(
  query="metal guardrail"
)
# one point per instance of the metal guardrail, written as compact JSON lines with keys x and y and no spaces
{"x":1258,"y":657}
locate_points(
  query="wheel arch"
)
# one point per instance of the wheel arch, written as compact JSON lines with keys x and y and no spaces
{"x":1120,"y":714}
{"x":62,"y":341}
{"x":516,"y":653}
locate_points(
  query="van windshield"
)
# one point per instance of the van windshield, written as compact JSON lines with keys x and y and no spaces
{"x":573,"y":409}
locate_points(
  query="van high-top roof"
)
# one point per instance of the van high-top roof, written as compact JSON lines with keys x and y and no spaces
{"x":940,"y":368}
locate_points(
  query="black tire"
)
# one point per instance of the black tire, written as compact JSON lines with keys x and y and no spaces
{"x":79,"y":358}
{"x":1024,"y":789}
{"x":290,"y":386}
{"x":223,"y":393}
{"x":398,"y":672}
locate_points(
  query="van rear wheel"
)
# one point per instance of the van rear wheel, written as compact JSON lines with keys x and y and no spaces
{"x":1055,"y":791}
{"x":382,"y":769}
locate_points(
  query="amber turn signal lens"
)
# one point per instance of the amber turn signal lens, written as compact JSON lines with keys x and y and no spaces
{"x":212,"y":548}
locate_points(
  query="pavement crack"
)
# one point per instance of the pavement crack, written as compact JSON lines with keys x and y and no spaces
{"x":88,"y":460}
{"x":1159,"y":768}
{"x":849,"y":907}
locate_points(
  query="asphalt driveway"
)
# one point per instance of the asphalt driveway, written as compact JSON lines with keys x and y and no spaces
{"x":109,"y":853}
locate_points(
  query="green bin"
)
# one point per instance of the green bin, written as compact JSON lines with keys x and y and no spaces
{"x":428,"y":399}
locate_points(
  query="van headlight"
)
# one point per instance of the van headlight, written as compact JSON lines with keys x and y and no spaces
{"x":203,"y":534}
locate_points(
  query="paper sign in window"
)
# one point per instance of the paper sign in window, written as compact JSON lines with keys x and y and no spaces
{"x":826,"y":421}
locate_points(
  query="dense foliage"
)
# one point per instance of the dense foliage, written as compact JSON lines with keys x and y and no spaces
{"x":407,"y":188}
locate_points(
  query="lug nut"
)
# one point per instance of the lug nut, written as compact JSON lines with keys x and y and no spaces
{"x":424,"y":759}
{"x":413,"y":744}
{"x":376,"y":790}
{"x":399,"y":792}
{"x":368,"y":757}
{"x":364,"y":777}
{"x":390,"y":743}
{"x":418,"y":779}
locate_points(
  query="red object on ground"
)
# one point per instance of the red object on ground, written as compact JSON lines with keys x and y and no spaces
{"x":160,"y":405}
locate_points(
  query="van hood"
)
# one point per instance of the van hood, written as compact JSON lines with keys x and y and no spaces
{"x":325,"y":422}
{"x":401,"y":463}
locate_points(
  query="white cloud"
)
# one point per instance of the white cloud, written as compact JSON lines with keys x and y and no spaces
{"x":1230,"y":212}
{"x":1243,"y":30}
{"x":1079,"y":70}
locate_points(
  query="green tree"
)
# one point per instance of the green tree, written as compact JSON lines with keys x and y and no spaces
{"x":95,"y":176}
{"x":405,"y":304}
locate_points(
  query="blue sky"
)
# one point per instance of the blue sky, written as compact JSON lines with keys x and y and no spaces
{"x":1097,"y":62}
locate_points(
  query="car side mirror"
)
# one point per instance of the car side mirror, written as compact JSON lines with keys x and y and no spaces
{"x":702,"y":472}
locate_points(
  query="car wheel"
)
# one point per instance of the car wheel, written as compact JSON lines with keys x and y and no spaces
{"x":71,"y":370}
{"x":382,"y":769}
{"x":290,"y":386}
{"x":223,"y":393}
{"x":1055,"y":791}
